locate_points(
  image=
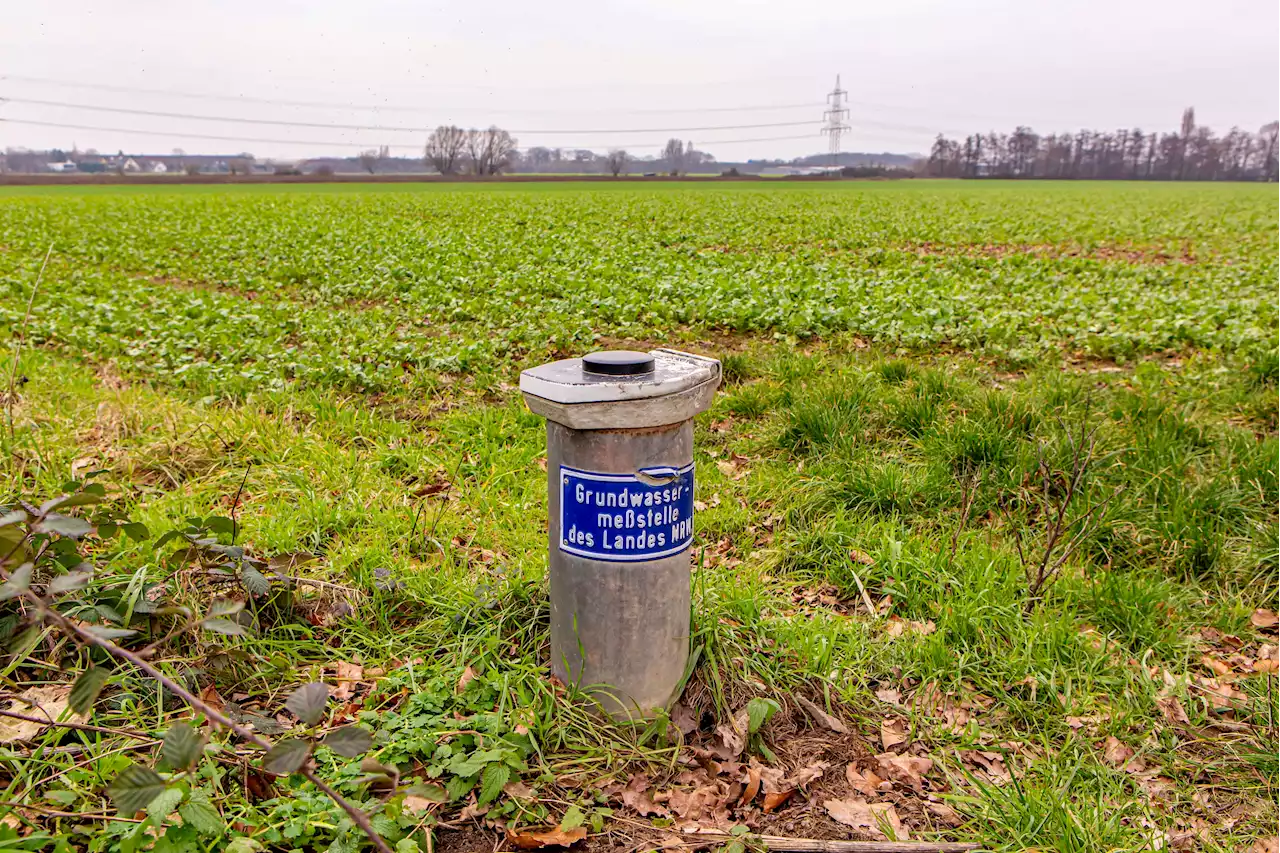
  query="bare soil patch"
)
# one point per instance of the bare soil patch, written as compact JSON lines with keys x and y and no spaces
{"x":1129,"y":253}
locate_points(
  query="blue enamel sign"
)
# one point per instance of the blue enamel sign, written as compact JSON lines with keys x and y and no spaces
{"x":626,"y":517}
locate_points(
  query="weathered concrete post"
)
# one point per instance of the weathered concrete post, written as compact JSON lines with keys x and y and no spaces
{"x":620,"y":512}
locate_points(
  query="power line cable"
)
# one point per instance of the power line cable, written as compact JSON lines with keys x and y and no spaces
{"x":379,"y":128}
{"x":279,"y":102}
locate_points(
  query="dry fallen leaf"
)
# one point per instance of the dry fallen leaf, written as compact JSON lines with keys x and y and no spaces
{"x":636,"y":795}
{"x":43,"y":702}
{"x":731,"y":468}
{"x":776,"y":799}
{"x":1221,"y":696}
{"x":892,"y":732}
{"x":731,"y":737}
{"x":1157,"y":788}
{"x":889,"y":696}
{"x":1265,"y":620}
{"x":518,"y":790}
{"x":528,"y":839}
{"x":908,"y":769}
{"x":1116,"y":752}
{"x":1172,"y":709}
{"x":821,"y":717}
{"x":414,"y":804}
{"x":683,"y":718}
{"x":347,"y":675}
{"x":753,"y":785}
{"x":708,"y":802}
{"x":872,"y":818}
{"x":467,"y":675}
{"x":861,"y":557}
{"x":944,"y":813}
{"x":896,"y":626}
{"x":1217,"y":667}
{"x":804,"y":775}
{"x":471,"y":810}
{"x":862,"y":783}
{"x":990,"y":763}
{"x":1267,"y":845}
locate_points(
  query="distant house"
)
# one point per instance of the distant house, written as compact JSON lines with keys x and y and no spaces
{"x":798,"y":171}
{"x":66,"y":166}
{"x":130,"y":165}
{"x":204,"y":164}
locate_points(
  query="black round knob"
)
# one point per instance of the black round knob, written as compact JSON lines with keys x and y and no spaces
{"x":618,"y":363}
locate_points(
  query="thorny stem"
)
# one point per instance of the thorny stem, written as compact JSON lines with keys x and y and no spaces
{"x":22,"y":337}
{"x":212,"y":714}
{"x":1042,"y":572}
{"x":235,"y":504}
{"x":970,"y":490}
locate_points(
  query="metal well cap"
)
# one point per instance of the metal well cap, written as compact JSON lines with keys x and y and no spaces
{"x":622,"y":389}
{"x":620,"y":362}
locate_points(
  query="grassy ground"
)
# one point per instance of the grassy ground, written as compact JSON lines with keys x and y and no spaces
{"x":334,"y":370}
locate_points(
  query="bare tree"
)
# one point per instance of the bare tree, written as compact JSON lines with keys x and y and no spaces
{"x":445,"y":147}
{"x":369,"y":160}
{"x":499,"y":146}
{"x":475,"y":151}
{"x":489,"y":151}
{"x":538,"y":158}
{"x":1188,"y":125}
{"x":616,"y":161}
{"x":673,"y":154}
{"x":1268,"y":136}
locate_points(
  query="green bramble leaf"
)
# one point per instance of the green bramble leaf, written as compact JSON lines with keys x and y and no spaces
{"x":225,"y":607}
{"x":63,"y":525}
{"x":12,"y":517}
{"x":84,"y":498}
{"x":349,"y":741}
{"x":200,"y":815}
{"x":224,"y":626}
{"x":87,"y":688}
{"x":182,"y":746}
{"x":135,"y":530}
{"x":308,"y":702}
{"x":19,"y":582}
{"x":70,"y":582}
{"x":254,"y":582}
{"x":106,"y":632}
{"x":134,"y":788}
{"x":164,"y":803}
{"x":287,"y":756}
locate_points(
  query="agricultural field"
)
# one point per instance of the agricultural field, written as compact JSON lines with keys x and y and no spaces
{"x":986,"y":548}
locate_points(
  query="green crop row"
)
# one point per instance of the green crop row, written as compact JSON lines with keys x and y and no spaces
{"x":250,"y":289}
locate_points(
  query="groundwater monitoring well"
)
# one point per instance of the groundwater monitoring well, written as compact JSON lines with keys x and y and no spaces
{"x":620,"y":513}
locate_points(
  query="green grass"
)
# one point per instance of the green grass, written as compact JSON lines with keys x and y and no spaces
{"x":327,"y":352}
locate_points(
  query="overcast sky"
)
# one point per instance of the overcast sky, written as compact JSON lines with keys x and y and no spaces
{"x":562,"y":74}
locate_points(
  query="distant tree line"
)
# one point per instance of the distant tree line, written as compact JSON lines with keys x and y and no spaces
{"x":451,"y":150}
{"x":1193,"y":153}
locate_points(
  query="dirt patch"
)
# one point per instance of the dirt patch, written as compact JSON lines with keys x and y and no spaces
{"x":467,"y":839}
{"x":1129,"y":253}
{"x":200,"y":287}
